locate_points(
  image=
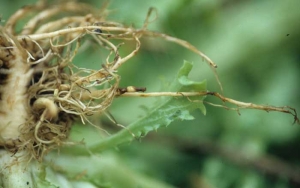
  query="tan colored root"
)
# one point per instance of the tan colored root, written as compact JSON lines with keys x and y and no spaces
{"x":239,"y":104}
{"x":47,"y":105}
{"x":51,"y":104}
{"x":60,"y":92}
{"x":14,"y":75}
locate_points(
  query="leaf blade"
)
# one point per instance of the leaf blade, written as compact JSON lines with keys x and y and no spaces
{"x":170,"y":110}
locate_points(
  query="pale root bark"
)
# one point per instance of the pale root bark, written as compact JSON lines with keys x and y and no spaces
{"x":44,"y":92}
{"x":13,"y":105}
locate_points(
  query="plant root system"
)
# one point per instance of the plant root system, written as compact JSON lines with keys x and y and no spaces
{"x":42,"y":92}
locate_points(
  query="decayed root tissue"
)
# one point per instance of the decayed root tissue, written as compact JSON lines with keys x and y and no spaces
{"x":42,"y":92}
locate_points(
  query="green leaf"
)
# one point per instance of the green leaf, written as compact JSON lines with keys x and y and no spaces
{"x":170,"y":109}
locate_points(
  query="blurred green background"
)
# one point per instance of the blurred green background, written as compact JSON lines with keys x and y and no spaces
{"x":256,"y":45}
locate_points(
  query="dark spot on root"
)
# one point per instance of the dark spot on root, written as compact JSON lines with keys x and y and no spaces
{"x":99,"y":31}
{"x":4,"y":74}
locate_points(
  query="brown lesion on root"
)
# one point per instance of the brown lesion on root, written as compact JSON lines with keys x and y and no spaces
{"x":5,"y":57}
{"x":267,"y":108}
{"x":50,"y":104}
{"x":130,"y":89}
{"x":12,"y":145}
{"x":49,"y":45}
{"x":239,"y":105}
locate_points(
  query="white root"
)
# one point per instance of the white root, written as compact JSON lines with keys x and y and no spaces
{"x":47,"y":105}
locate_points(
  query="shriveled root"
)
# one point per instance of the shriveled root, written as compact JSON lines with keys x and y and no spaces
{"x":42,"y":91}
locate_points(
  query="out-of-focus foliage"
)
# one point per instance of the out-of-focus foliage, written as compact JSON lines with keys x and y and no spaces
{"x":257,"y":49}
